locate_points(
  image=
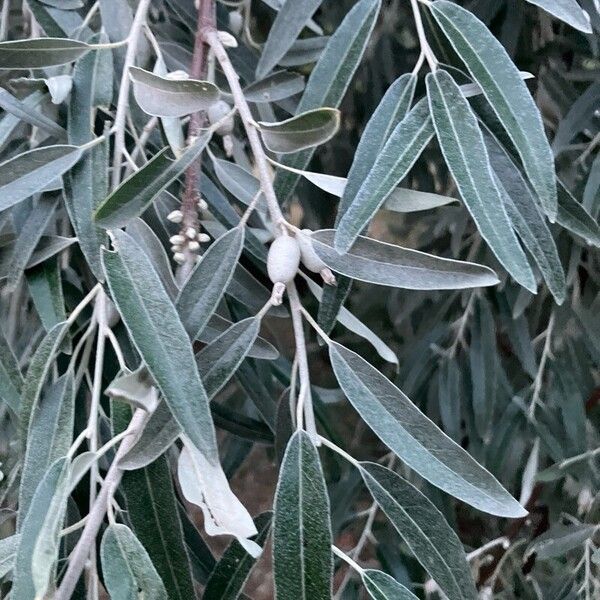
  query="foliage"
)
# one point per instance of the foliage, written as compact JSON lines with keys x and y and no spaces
{"x":172,"y":328}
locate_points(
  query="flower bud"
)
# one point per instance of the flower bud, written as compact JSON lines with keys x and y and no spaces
{"x":176,"y":240}
{"x":179,"y":257}
{"x":191,"y":233}
{"x":236,"y":21}
{"x":175,"y":216}
{"x":203,"y":238}
{"x":283,"y":259}
{"x":193,"y":245}
{"x":218,"y":111}
{"x":310,"y":258}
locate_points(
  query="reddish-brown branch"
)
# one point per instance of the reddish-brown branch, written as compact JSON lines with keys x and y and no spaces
{"x":198,"y":120}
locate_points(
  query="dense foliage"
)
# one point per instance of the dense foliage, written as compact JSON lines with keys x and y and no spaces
{"x":298,"y":299}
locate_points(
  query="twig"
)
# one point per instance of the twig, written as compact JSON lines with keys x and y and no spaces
{"x":539,"y":377}
{"x":79,"y":555}
{"x":123,"y":99}
{"x":425,"y":48}
{"x":198,"y":69}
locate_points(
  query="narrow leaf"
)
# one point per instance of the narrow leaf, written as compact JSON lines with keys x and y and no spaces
{"x":45,"y":287}
{"x":416,"y":439}
{"x":160,"y":338}
{"x":274,"y":87}
{"x":560,"y":539}
{"x":204,"y":288}
{"x":465,"y":153}
{"x":127,"y":568}
{"x":502,"y":85}
{"x":290,"y":21}
{"x":11,"y":379}
{"x":392,"y":164}
{"x":31,"y":171}
{"x":302,"y":559}
{"x":136,"y":193}
{"x":574,"y":217}
{"x":382,"y":586}
{"x":423,"y":528}
{"x":331,"y":77}
{"x":387,"y":264}
{"x":37,"y":53}
{"x":566,"y":10}
{"x":29,"y":114}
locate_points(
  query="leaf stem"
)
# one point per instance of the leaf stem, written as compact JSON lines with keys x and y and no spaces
{"x":425,"y":48}
{"x":341,"y":452}
{"x":341,"y":554}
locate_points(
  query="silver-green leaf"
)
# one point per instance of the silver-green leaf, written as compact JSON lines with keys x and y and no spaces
{"x":37,"y":53}
{"x":416,"y":439}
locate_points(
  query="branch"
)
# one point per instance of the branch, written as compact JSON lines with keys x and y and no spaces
{"x":78,"y":557}
{"x":191,"y":196}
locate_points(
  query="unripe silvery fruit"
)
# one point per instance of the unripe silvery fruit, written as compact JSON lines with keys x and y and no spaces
{"x":236,"y":21}
{"x":283,"y":260}
{"x":218,"y":111}
{"x":310,"y":259}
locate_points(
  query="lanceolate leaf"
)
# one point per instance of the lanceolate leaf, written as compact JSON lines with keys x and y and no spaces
{"x":11,"y":379}
{"x":388,"y":264}
{"x":40,"y":52}
{"x":491,"y":67}
{"x":302,"y":559}
{"x":38,"y":547}
{"x":29,"y":114}
{"x":162,"y":97}
{"x":558,"y":540}
{"x":566,"y":10}
{"x":465,"y":153}
{"x":45,"y":287}
{"x":573,"y":216}
{"x":416,"y":439}
{"x":330,"y":78}
{"x":136,"y":193}
{"x":303,"y":131}
{"x":8,"y":550}
{"x":382,"y":586}
{"x":127,"y":568}
{"x":423,"y":528}
{"x":160,"y":338}
{"x":49,"y":437}
{"x":290,"y":20}
{"x":274,"y":87}
{"x":207,"y":283}
{"x":399,"y":154}
{"x":522,"y":209}
{"x":227,"y":580}
{"x":154,"y":517}
{"x":30,"y":172}
{"x":391,"y":110}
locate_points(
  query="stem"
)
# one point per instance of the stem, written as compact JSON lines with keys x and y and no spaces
{"x":425,"y":48}
{"x":347,"y":559}
{"x":123,"y":99}
{"x":79,"y":555}
{"x":191,"y":195}
{"x":304,"y":405}
{"x":264,"y":175}
{"x":341,"y":452}
{"x":539,"y":377}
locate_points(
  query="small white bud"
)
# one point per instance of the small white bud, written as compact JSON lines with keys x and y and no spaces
{"x":327,"y":276}
{"x":179,"y":257}
{"x":202,"y":205}
{"x":198,"y":258}
{"x":227,"y":39}
{"x":217,"y":111}
{"x":193,"y":245}
{"x":228,"y":145}
{"x":283,"y":259}
{"x":176,"y":248}
{"x":236,"y":21}
{"x":176,"y":240}
{"x":204,"y":238}
{"x":191,"y":233}
{"x":277,"y":294}
{"x":175,"y":216}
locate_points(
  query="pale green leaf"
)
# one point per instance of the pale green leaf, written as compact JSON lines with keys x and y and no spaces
{"x":36,"y":53}
{"x":502,"y":85}
{"x":574,"y":217}
{"x":289,"y":22}
{"x":128,"y":571}
{"x":387,"y":264}
{"x":331,"y":77}
{"x":305,"y":130}
{"x":30,"y":172}
{"x":465,"y":153}
{"x":29,"y":114}
{"x":382,"y":586}
{"x":568,"y":11}
{"x":162,"y":97}
{"x":560,"y":539}
{"x":11,"y":379}
{"x":416,"y":439}
{"x":136,"y":193}
{"x":274,"y":87}
{"x":8,"y":551}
